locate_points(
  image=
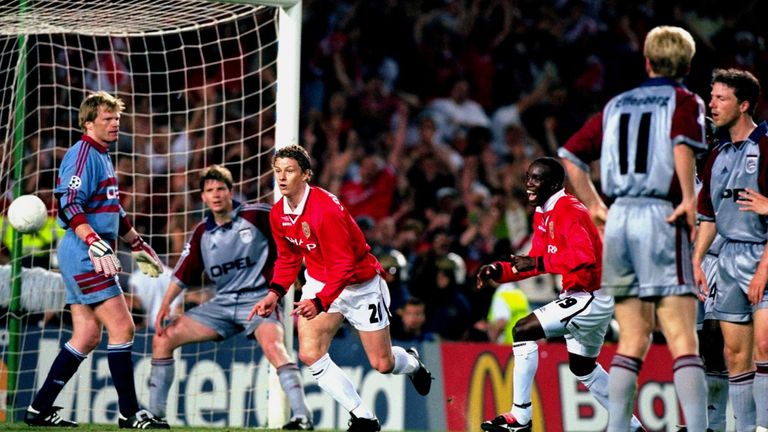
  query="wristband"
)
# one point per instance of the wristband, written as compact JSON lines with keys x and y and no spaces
{"x":92,"y":238}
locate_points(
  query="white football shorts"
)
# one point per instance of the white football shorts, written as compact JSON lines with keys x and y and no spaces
{"x":582,"y":317}
{"x":364,"y":305}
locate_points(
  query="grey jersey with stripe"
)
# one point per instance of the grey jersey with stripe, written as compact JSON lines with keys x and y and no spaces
{"x":238,"y":256}
{"x":731,"y":168}
{"x":641,"y":127}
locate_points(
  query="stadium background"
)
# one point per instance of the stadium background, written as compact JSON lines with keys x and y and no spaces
{"x":370,"y":76}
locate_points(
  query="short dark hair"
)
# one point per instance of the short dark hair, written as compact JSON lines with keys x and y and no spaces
{"x":556,"y":170}
{"x":745,"y":86}
{"x":295,"y":152}
{"x":218,"y":173}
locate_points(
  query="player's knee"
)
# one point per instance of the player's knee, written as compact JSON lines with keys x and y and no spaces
{"x":761,"y":348}
{"x":309,"y":357}
{"x":122,"y":332}
{"x":527,"y":329}
{"x":580,"y":365}
{"x":89,"y":342}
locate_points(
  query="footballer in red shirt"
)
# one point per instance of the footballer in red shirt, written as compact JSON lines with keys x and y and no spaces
{"x":565,"y":241}
{"x":344,"y":280}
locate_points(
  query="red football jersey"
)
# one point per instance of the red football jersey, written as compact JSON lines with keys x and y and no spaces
{"x":322,"y":233}
{"x":568,"y":242}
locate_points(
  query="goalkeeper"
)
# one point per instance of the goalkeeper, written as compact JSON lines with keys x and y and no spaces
{"x":89,"y":208}
{"x":234,"y":247}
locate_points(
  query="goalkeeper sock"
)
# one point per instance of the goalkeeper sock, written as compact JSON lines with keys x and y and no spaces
{"x":160,"y":380}
{"x":335,"y":382}
{"x":119,"y":357}
{"x":64,"y":366}
{"x":290,"y":381}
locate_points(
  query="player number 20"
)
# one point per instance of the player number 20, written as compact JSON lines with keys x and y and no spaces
{"x":375,"y":312}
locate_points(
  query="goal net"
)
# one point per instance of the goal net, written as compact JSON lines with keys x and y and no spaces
{"x":199,"y":79}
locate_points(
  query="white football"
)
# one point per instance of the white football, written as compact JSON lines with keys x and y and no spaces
{"x":27,"y":214}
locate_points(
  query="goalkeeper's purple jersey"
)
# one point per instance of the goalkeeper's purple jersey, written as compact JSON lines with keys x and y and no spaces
{"x":238,"y":256}
{"x":87,"y":185}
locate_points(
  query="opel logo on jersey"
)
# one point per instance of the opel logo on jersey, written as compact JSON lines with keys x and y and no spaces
{"x":238,"y":264}
{"x":112,"y":192}
{"x":74,"y":182}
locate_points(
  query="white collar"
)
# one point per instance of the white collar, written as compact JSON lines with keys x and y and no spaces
{"x":300,"y":208}
{"x":550,"y":204}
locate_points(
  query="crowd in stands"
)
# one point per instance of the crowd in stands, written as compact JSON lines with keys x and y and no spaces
{"x":422,"y":117}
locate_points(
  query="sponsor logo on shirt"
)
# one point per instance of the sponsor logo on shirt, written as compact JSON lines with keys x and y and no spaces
{"x":300,"y":243}
{"x":551,"y":249}
{"x":112,"y":192}
{"x":238,"y":264}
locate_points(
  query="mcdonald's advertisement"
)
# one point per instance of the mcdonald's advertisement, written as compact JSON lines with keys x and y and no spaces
{"x":478,"y":379}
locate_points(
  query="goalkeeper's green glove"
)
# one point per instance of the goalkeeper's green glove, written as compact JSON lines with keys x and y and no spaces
{"x":146,"y":258}
{"x":102,"y":256}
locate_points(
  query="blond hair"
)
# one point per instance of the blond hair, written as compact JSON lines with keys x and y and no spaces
{"x":669,"y":51}
{"x":89,"y":109}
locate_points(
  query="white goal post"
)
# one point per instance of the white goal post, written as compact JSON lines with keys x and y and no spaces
{"x":204,"y":82}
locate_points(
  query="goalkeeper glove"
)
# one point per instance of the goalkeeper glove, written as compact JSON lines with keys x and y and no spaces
{"x":146,"y":258}
{"x":102,"y":256}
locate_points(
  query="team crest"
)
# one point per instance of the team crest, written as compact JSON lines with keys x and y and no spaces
{"x":246,"y":236}
{"x":751,"y":165}
{"x":552,"y":230}
{"x":74,"y":182}
{"x":305,"y":229}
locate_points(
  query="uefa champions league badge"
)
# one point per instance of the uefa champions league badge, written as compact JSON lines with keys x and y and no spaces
{"x":305,"y":229}
{"x":246,"y":236}
{"x":750,"y":166}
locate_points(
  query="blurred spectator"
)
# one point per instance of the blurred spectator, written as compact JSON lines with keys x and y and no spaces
{"x":458,"y":111}
{"x":408,"y":322}
{"x":508,"y":306}
{"x":448,"y":310}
